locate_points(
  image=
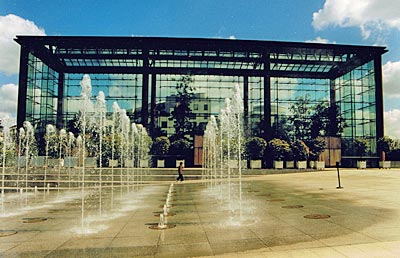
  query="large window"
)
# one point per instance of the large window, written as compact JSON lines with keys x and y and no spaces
{"x":125,"y":89}
{"x":286,"y":92}
{"x":256,"y":105}
{"x":209,"y":97}
{"x":42,"y":86}
{"x":355,"y":95}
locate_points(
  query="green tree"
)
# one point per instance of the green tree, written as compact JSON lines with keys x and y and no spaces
{"x":181,"y":147}
{"x":301,"y":118}
{"x":385,"y":144}
{"x":361,"y":146}
{"x":326,"y":121}
{"x":160,"y":146}
{"x":316,"y":147}
{"x":182,"y":112}
{"x":281,"y":129}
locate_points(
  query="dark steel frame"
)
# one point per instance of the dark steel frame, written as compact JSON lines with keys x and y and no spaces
{"x":46,"y":48}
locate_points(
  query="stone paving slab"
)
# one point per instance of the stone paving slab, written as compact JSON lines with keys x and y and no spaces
{"x":264,"y":219}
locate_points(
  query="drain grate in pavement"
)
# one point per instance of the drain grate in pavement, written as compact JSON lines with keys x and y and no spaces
{"x":5,"y":233}
{"x":33,"y":220}
{"x":317,"y":216}
{"x":169,"y":214}
{"x":168,"y":206}
{"x":267,"y":194}
{"x":293,"y":206}
{"x":155,"y":226}
{"x":58,"y":210}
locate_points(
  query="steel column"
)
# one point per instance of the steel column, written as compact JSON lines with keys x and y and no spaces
{"x":22,"y":86}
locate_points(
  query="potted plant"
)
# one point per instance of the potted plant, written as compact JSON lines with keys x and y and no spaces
{"x":255,"y":148}
{"x":289,"y":159}
{"x":300,"y":153}
{"x":361,"y":145}
{"x":385,"y":146}
{"x":279,"y":150}
{"x":160,"y":148}
{"x":316,"y":147}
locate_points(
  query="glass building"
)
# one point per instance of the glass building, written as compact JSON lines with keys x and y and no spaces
{"x":141,"y":73}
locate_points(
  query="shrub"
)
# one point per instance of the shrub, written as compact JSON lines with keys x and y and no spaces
{"x":361,"y":145}
{"x":255,"y":147}
{"x":160,"y":146}
{"x":279,"y":149}
{"x":181,"y":147}
{"x":385,"y":144}
{"x":316,"y":147}
{"x":300,"y":150}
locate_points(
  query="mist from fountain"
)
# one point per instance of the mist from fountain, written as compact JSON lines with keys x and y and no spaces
{"x":223,"y":144}
{"x":29,"y":143}
{"x":5,"y":136}
{"x":100,"y":110}
{"x":115,"y":108}
{"x":7,"y":146}
{"x":49,"y":135}
{"x":61,"y":142}
{"x":86,"y":93}
{"x":125,"y":131}
{"x":71,"y":141}
{"x":130,"y":145}
{"x":134,"y":137}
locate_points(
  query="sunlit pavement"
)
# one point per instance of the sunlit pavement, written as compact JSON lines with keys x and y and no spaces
{"x":266,"y":220}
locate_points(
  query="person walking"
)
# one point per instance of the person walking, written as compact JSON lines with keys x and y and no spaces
{"x":180,"y":170}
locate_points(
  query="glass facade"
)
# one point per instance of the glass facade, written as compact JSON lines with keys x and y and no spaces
{"x":125,"y":89}
{"x":42,"y":92}
{"x":141,"y":75}
{"x":355,"y":95}
{"x":209,"y":97}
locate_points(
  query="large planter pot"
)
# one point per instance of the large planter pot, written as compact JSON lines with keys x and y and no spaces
{"x":384,"y":164}
{"x":233,"y":163}
{"x":290,"y":164}
{"x":301,"y":164}
{"x":91,"y":162}
{"x":144,"y":163}
{"x":112,"y":163}
{"x":39,"y":161}
{"x":21,"y":161}
{"x":128,"y":163}
{"x":255,"y":164}
{"x":361,"y":164}
{"x":52,"y":162}
{"x":320,"y":165}
{"x":278,"y":164}
{"x":70,"y":162}
{"x":161,"y":163}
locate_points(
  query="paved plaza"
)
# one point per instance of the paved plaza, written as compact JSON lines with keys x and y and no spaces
{"x":298,"y":214}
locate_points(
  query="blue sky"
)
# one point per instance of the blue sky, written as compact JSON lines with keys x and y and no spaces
{"x":356,"y":22}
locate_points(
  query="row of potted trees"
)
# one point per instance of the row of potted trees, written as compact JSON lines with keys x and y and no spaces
{"x":162,"y":148}
{"x":277,"y":151}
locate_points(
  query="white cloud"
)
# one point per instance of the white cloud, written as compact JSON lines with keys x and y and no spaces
{"x":8,"y":96}
{"x":370,"y":16}
{"x":320,"y":40}
{"x":10,"y":26}
{"x":232,"y":37}
{"x":392,"y":123}
{"x":391,"y":79}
